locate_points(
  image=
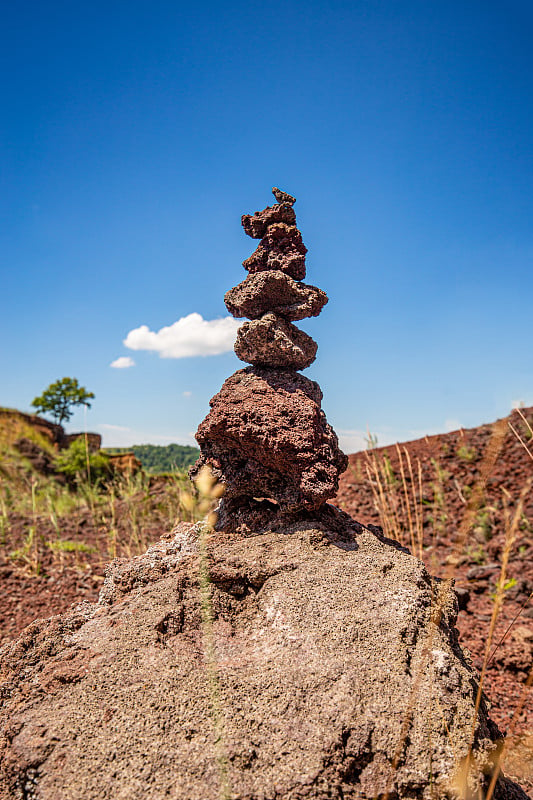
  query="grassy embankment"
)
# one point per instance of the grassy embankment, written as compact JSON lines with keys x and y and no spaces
{"x":73,"y":509}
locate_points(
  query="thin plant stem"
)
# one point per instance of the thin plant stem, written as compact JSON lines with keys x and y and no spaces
{"x":507,"y":740}
{"x":510,"y":539}
{"x":211,"y":660}
{"x":509,"y":627}
{"x":406,"y":499}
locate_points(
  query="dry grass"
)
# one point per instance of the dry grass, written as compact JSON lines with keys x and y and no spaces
{"x":40,"y":518}
{"x":407,"y":516}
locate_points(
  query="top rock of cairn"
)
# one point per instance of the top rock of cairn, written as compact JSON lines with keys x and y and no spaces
{"x":266,"y":437}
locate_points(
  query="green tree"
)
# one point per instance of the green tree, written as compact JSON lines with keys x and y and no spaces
{"x":60,"y":398}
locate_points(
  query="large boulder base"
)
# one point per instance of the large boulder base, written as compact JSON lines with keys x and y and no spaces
{"x":311,"y":665}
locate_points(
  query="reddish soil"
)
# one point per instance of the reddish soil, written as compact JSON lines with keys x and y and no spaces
{"x":46,"y":581}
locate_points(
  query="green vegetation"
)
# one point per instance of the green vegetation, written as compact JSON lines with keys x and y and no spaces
{"x":67,"y":546}
{"x":93,"y":516}
{"x":78,"y":464}
{"x":15,"y":425}
{"x":79,"y":512}
{"x":161,"y":458}
{"x":60,"y":398}
{"x":467,"y":453}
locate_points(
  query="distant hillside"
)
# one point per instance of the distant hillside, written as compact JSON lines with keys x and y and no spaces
{"x":161,"y":458}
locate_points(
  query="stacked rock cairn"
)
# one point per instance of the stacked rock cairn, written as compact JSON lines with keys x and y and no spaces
{"x":266,"y":438}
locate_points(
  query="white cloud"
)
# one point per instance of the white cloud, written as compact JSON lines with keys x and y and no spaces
{"x":189,"y":336}
{"x":186,"y":394}
{"x":122,"y":362}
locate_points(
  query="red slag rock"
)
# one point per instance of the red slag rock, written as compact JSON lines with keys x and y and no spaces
{"x":256,"y":224}
{"x":266,"y":437}
{"x":272,"y":341}
{"x":275,"y":291}
{"x":280,"y":248}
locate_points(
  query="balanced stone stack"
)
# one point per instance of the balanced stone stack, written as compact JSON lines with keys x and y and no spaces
{"x":266,"y":437}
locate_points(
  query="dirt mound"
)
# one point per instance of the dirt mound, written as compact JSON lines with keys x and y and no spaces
{"x":39,"y":459}
{"x":310,"y":665}
{"x":451,"y":467}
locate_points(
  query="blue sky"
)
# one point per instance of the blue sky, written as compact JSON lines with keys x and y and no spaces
{"x":134,"y":135}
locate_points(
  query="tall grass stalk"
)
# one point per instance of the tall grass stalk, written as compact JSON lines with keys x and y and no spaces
{"x":208,"y":491}
{"x":530,"y":431}
{"x":510,"y":540}
{"x":500,"y":762}
{"x":4,"y":522}
{"x":388,"y":500}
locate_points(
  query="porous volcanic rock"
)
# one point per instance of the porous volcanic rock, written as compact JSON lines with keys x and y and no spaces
{"x":275,"y":291}
{"x":267,"y":437}
{"x":256,"y":224}
{"x":273,"y":342}
{"x":280,"y":248}
{"x":312,"y":666}
{"x":283,"y":197}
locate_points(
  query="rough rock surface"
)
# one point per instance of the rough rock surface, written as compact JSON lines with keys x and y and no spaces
{"x":266,"y":437}
{"x":275,"y":291}
{"x":280,"y":248}
{"x":273,"y":342}
{"x":283,"y":197}
{"x":316,"y":665}
{"x":256,"y":224}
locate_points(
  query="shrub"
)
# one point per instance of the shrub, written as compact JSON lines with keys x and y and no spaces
{"x":467,"y":453}
{"x":79,"y":465}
